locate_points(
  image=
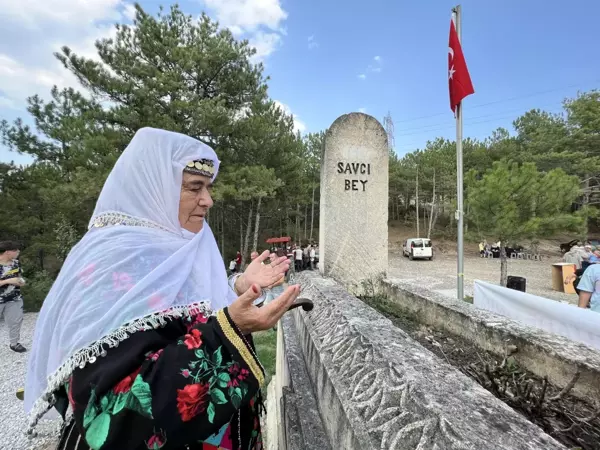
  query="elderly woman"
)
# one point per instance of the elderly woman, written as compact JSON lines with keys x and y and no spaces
{"x":141,"y":342}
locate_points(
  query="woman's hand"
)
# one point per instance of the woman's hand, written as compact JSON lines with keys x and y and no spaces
{"x":250,"y":318}
{"x":265,"y":275}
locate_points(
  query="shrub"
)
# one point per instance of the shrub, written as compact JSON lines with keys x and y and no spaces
{"x":35,"y":291}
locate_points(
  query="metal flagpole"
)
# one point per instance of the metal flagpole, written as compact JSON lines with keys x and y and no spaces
{"x":460,"y":288}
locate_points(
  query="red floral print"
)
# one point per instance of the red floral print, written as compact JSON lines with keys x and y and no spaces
{"x":125,"y":384}
{"x":191,"y":400}
{"x":70,"y":393}
{"x":154,"y":355}
{"x":237,"y":375}
{"x":185,"y":373}
{"x":156,"y":441}
{"x":196,"y":319}
{"x":193,"y":340}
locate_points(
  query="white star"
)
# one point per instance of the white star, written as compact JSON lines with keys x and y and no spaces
{"x":451,"y":72}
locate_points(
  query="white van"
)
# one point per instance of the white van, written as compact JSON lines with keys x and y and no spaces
{"x":418,"y":248}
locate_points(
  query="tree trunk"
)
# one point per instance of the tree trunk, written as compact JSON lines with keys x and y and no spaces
{"x":312,"y":212}
{"x":417,"y":202}
{"x":247,"y":239}
{"x":503,"y":265}
{"x":256,"y":226}
{"x":305,"y":223}
{"x":586,"y":201}
{"x":297,"y":235}
{"x":241,"y":230}
{"x":432,"y":208}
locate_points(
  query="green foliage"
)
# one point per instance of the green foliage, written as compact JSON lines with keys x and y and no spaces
{"x":36,"y":289}
{"x":513,"y":202}
{"x":569,"y":141}
{"x":169,"y":71}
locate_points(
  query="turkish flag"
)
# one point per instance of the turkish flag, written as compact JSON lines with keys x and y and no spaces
{"x":459,"y":80}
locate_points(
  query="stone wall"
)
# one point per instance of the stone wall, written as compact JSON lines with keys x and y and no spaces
{"x":541,"y":352}
{"x":376,"y":388}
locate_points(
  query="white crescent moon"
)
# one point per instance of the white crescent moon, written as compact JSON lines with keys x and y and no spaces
{"x":451,"y":52}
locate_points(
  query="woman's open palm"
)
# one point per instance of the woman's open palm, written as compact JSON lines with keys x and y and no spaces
{"x":250,"y":318}
{"x":265,"y":275}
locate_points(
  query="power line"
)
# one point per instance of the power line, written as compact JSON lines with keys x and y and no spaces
{"x":481,"y":105}
{"x":426,"y":127}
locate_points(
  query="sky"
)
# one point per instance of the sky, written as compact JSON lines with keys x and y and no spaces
{"x":326,"y":58}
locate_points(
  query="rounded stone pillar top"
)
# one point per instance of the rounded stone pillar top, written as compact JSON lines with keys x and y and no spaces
{"x":357,"y":124}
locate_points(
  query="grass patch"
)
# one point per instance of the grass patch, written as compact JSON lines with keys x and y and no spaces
{"x":266,"y":349}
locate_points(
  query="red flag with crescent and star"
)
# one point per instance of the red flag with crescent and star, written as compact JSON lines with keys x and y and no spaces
{"x":459,"y":80}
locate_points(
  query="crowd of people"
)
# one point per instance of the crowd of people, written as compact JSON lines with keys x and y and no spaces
{"x":304,"y":257}
{"x":586,"y":279}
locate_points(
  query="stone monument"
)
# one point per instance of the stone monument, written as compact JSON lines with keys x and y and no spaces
{"x":353,"y":230}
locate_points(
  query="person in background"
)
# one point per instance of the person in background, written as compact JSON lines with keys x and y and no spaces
{"x":298,"y":259}
{"x":306,"y":257}
{"x":238,"y":261}
{"x":312,"y":254}
{"x":589,"y":288}
{"x":11,"y":301}
{"x":232,"y":266}
{"x":575,"y":256}
{"x":595,"y":256}
{"x":253,"y":255}
{"x":488,"y":250}
{"x":481,"y":250}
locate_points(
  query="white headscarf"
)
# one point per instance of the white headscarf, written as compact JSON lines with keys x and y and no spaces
{"x":134,"y":267}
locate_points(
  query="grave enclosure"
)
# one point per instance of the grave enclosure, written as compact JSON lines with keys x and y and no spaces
{"x":347,"y":378}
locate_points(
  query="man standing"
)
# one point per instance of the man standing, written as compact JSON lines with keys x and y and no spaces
{"x":11,"y":301}
{"x":298,"y":258}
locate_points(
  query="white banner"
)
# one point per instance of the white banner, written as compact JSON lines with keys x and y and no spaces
{"x":567,"y":320}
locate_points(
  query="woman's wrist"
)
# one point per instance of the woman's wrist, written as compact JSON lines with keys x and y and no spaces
{"x":240,"y":285}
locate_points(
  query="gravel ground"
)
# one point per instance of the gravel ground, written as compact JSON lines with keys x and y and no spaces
{"x":440,"y":274}
{"x":12,"y":377}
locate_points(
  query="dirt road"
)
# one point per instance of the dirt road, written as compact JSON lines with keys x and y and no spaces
{"x":440,"y":274}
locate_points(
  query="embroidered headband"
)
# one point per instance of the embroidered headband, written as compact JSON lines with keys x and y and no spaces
{"x":204,"y":167}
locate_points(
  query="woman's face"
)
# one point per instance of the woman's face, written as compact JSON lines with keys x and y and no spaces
{"x":195,"y":201}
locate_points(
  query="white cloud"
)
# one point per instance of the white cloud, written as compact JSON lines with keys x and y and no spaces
{"x":375,"y":67}
{"x":35,"y":13}
{"x":298,"y":124}
{"x":248,"y":15}
{"x":312,"y":43}
{"x":260,"y":21}
{"x":36,"y":29}
{"x":265,"y":44}
{"x":129,"y":11}
{"x":7,"y":103}
{"x":362,"y":110}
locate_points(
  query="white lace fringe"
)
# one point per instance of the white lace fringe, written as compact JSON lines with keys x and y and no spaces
{"x":89,"y":354}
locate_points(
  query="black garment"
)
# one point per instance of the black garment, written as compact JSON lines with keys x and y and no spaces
{"x":189,"y":384}
{"x":9,"y":292}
